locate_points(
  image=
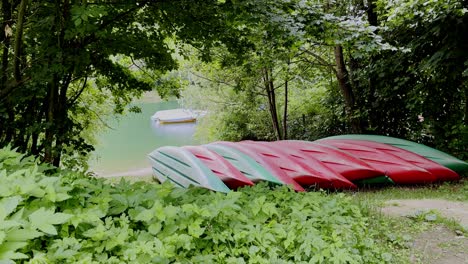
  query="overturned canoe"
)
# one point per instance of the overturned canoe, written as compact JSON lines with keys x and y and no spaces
{"x":435,"y":155}
{"x":268,"y":163}
{"x":442,"y":173}
{"x":225,"y":171}
{"x":352,"y":168}
{"x":399,"y":170}
{"x":244,"y":163}
{"x":183,"y":169}
{"x":315,"y":167}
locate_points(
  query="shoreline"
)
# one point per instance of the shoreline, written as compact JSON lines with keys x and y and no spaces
{"x":142,"y":172}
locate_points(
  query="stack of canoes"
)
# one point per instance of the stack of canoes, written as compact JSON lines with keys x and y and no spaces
{"x":340,"y":162}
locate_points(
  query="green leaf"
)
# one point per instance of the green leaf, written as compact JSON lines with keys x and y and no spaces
{"x":145,"y":215}
{"x":194,"y":229}
{"x":78,"y":22}
{"x":21,"y":235}
{"x":8,"y":205}
{"x":44,"y":220}
{"x":8,"y":250}
{"x":154,"y":228}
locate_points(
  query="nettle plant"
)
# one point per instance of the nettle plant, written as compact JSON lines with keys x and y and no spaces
{"x":68,"y":217}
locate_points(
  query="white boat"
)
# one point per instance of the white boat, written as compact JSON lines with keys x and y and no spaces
{"x":175,"y":116}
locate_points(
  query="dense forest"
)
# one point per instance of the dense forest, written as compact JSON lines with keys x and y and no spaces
{"x":268,"y":69}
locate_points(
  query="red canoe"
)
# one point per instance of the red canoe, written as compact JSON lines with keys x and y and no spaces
{"x":399,"y":170}
{"x":312,"y":165}
{"x":267,"y":162}
{"x":352,"y":168}
{"x":442,"y":173}
{"x":232,"y":177}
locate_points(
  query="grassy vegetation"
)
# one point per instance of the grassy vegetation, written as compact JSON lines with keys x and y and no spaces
{"x":457,"y":191}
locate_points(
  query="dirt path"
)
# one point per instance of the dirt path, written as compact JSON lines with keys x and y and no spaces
{"x":449,"y":209}
{"x":440,"y":245}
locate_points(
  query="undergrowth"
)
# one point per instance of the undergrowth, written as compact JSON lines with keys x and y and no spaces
{"x":70,"y":218}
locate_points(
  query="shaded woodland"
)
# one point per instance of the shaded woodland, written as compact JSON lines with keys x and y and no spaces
{"x":271,"y":69}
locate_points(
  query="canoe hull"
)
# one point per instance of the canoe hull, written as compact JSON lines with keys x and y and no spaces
{"x":352,"y":168}
{"x":267,"y":163}
{"x":244,"y":163}
{"x":435,"y":155}
{"x":399,"y":170}
{"x":224,"y":170}
{"x":442,"y":173}
{"x":183,"y":169}
{"x":328,"y":178}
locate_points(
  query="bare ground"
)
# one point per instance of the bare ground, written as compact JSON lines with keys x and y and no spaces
{"x":439,"y":245}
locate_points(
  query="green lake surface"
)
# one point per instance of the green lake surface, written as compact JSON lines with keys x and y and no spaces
{"x":122,"y":151}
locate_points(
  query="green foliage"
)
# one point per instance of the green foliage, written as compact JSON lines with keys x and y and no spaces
{"x":70,"y":218}
{"x":66,"y":50}
{"x":423,"y":78}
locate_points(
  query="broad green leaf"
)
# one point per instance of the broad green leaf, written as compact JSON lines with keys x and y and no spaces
{"x":8,"y":205}
{"x":154,"y":228}
{"x":194,"y":229}
{"x":44,"y":219}
{"x":20,"y":235}
{"x":145,"y":215}
{"x":8,"y":250}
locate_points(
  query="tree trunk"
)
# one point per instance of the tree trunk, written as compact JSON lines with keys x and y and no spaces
{"x":19,"y":40}
{"x":270,"y":89}
{"x":466,"y":106}
{"x":371,"y":14}
{"x":50,"y":132}
{"x":6,"y":40}
{"x":345,"y":86}
{"x":57,"y":97}
{"x":34,"y":141}
{"x":285,"y":113}
{"x":372,"y":18}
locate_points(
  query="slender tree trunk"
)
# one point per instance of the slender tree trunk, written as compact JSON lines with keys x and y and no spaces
{"x":50,"y":120}
{"x":19,"y":40}
{"x":346,"y":89}
{"x":372,"y":19}
{"x":270,"y":89}
{"x":5,"y":41}
{"x":466,"y":106}
{"x":371,"y":14}
{"x":34,"y":141}
{"x":273,"y":105}
{"x":285,"y":113}
{"x":57,"y":108}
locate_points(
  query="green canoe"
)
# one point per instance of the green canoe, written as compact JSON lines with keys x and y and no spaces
{"x":433,"y":154}
{"x":245,"y":164}
{"x":183,"y":169}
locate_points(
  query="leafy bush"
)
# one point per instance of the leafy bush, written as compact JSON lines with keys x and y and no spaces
{"x":70,"y":218}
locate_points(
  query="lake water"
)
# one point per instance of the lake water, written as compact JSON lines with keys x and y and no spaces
{"x":123,"y":150}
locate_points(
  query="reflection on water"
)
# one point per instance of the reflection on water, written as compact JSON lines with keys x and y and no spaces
{"x":123,"y":150}
{"x":182,"y":130}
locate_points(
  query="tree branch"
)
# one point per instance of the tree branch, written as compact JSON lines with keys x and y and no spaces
{"x":321,"y":60}
{"x":78,"y":94}
{"x":214,"y":81}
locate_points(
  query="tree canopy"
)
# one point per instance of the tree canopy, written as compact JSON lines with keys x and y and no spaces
{"x":293,"y":69}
